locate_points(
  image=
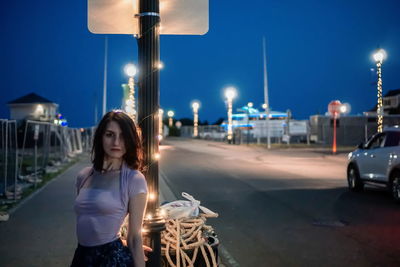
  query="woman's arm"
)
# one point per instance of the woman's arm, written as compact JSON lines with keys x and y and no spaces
{"x":137,"y":206}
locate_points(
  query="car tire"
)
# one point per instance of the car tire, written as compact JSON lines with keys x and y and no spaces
{"x":353,"y":179}
{"x":394,"y":186}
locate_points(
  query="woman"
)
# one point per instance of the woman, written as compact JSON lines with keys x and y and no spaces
{"x":109,"y":190}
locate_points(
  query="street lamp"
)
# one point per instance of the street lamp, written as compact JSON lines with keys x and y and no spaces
{"x":379,"y":56}
{"x":130,"y":71}
{"x":195,"y":106}
{"x":230,"y":94}
{"x":170,"y":120}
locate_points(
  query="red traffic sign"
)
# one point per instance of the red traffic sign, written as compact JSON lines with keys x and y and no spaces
{"x":334,"y":108}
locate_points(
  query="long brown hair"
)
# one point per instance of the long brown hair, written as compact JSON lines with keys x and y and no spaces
{"x":132,"y":139}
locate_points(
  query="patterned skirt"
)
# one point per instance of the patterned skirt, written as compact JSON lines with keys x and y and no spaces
{"x":112,"y":254}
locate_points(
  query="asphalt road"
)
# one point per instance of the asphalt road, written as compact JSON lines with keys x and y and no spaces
{"x":287,"y":207}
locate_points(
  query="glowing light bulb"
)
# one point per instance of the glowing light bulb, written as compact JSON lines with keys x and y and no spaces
{"x":160,"y":65}
{"x":130,"y":70}
{"x":230,"y":92}
{"x":195,"y":105}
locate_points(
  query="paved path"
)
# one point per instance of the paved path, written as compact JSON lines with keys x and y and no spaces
{"x":41,"y":231}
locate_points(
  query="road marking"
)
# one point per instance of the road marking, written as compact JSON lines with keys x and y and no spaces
{"x":228,"y":259}
{"x":329,"y":223}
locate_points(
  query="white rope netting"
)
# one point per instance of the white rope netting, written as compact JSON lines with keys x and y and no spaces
{"x":184,"y":238}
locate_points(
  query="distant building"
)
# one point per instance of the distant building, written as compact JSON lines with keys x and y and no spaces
{"x":33,"y":107}
{"x":391,"y":104}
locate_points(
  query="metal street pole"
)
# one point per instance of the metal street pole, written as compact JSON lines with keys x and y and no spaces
{"x":249,"y":106}
{"x":148,"y":118}
{"x":266,"y":98}
{"x":195,"y":106}
{"x":379,"y":56}
{"x":288,"y":117}
{"x":195,"y":123}
{"x":131,"y":99}
{"x":230,"y":132}
{"x":105,"y":77}
{"x":379,"y":108}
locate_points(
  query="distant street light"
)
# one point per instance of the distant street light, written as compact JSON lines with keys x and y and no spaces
{"x":379,"y":56}
{"x":170,"y":120}
{"x":130,"y":71}
{"x":230,"y":94}
{"x":195,"y":106}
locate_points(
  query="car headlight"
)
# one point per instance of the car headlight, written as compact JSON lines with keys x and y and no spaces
{"x":350,"y":155}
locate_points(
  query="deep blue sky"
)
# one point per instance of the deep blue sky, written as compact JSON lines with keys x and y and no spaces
{"x":317,"y":51}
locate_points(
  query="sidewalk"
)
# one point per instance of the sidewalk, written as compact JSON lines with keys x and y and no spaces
{"x":41,"y":229}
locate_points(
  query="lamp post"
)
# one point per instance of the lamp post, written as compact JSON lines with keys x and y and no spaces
{"x":379,"y":56}
{"x":230,"y":94}
{"x":195,"y":106}
{"x":249,"y":106}
{"x":334,"y":108}
{"x":130,"y":71}
{"x":170,"y":116}
{"x":267,"y":114}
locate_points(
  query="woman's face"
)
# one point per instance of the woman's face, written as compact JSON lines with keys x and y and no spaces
{"x":113,"y":141}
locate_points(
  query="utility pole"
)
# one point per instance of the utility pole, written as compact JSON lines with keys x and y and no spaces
{"x":105,"y":76}
{"x":266,"y":98}
{"x":148,"y":118}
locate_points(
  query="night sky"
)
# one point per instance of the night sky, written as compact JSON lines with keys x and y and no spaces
{"x":317,"y":51}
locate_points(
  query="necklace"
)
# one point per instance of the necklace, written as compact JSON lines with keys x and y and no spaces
{"x":109,"y":167}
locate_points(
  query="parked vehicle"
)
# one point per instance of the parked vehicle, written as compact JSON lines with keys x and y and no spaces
{"x":377,"y":162}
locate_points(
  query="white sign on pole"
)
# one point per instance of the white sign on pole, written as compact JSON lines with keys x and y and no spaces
{"x":36,"y":133}
{"x":180,"y":17}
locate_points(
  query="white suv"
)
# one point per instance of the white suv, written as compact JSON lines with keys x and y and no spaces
{"x":377,"y":161}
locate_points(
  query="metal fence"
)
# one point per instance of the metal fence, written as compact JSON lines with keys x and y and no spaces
{"x":32,"y":149}
{"x":8,"y":159}
{"x":350,"y":131}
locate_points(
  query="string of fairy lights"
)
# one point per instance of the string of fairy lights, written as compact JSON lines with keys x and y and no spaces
{"x":379,"y":56}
